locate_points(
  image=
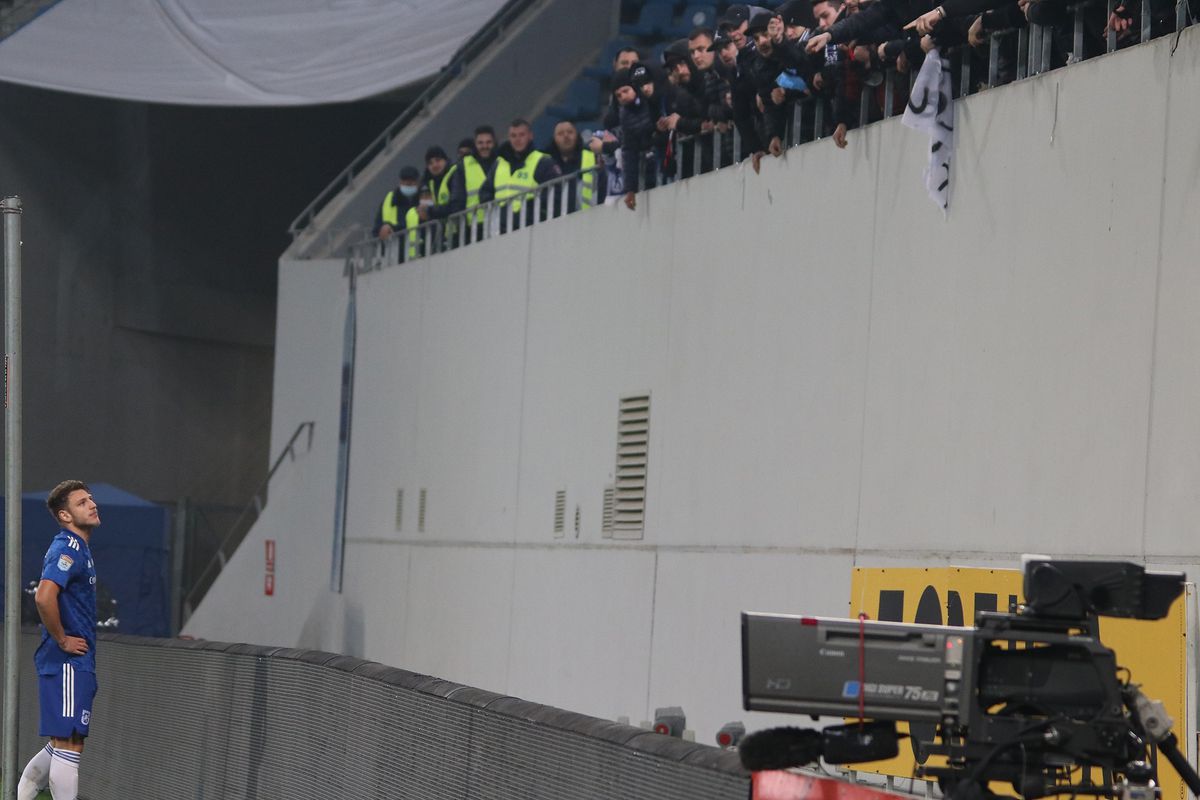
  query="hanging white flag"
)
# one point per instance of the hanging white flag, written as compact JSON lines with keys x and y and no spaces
{"x":931,"y":110}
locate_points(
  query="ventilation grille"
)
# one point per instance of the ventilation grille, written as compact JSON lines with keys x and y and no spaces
{"x":421,"y":512}
{"x":560,"y":512}
{"x":578,"y":520}
{"x":399,"y":509}
{"x":633,"y":449}
{"x":606,"y":520}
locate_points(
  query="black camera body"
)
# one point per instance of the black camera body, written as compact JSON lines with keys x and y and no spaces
{"x":1025,"y":697}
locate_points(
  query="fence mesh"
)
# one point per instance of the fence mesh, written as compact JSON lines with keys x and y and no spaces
{"x":212,"y":720}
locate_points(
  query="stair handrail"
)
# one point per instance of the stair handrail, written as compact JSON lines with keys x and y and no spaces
{"x":203,"y":583}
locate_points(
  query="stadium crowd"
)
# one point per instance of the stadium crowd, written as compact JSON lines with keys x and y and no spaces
{"x":846,"y":59}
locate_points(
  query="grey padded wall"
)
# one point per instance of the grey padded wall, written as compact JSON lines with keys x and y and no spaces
{"x":202,"y":719}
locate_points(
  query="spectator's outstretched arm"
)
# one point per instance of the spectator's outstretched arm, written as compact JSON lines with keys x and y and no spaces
{"x":858,"y":27}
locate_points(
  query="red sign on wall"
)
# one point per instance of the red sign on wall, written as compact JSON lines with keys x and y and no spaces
{"x":269,"y":583}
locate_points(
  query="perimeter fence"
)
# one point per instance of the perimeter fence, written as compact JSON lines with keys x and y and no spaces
{"x":200,"y":719}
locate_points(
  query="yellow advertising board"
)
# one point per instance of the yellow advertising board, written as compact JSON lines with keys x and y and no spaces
{"x":1154,"y":652}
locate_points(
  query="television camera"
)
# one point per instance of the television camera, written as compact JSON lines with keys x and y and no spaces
{"x":1031,"y":697}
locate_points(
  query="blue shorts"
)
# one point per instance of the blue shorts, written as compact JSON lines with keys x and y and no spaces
{"x":66,"y":701}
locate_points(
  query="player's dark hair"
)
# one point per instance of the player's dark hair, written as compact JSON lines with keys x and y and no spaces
{"x":57,"y":501}
{"x":520,"y":122}
{"x":488,"y":129}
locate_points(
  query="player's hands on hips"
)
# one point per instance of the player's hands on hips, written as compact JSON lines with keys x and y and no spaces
{"x":73,"y":645}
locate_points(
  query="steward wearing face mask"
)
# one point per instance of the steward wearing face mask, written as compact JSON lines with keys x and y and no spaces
{"x":394,"y":209}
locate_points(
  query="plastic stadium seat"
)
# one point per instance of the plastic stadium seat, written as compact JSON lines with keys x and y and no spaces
{"x":582,"y":99}
{"x":654,"y":20}
{"x":696,"y":15}
{"x":543,"y":131}
{"x":601,"y":68}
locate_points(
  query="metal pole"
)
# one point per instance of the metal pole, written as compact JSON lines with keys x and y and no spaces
{"x":10,"y":207}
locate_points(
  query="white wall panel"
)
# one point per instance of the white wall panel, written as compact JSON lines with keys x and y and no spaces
{"x":469,"y":412}
{"x":457,"y":614}
{"x":595,"y":333}
{"x":581,"y":626}
{"x":1173,"y":490}
{"x":388,"y":369}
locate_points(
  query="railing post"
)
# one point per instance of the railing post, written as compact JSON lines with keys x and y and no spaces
{"x":993,"y":59}
{"x":1035,"y":49}
{"x":1146,"y":20}
{"x":889,"y":90}
{"x":10,"y":209}
{"x":1047,"y":47}
{"x":818,"y":119}
{"x":1077,"y":33}
{"x":1022,"y":53}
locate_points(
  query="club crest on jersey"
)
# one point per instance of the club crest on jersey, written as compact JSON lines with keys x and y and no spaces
{"x":65,"y":562}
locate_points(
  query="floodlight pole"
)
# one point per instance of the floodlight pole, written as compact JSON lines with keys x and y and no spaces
{"x":10,"y":209}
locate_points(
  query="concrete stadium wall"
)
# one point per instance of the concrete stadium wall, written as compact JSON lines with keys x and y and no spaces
{"x":840,"y":377}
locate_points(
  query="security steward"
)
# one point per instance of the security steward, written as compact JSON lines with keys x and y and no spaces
{"x":469,"y":178}
{"x":439,"y":174}
{"x":396,"y":204}
{"x":571,"y":157}
{"x":518,"y":168}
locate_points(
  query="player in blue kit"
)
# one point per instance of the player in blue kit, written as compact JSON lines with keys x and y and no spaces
{"x":66,"y":657}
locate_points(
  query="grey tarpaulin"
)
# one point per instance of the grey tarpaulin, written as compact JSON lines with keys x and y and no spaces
{"x":239,"y":53}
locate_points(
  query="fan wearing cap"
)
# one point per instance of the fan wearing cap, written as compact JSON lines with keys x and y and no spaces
{"x":397,"y":203}
{"x":766,"y":30}
{"x":712,"y":82}
{"x":638,"y":113}
{"x":746,"y":115}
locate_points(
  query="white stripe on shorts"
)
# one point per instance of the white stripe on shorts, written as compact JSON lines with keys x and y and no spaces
{"x":68,"y":691}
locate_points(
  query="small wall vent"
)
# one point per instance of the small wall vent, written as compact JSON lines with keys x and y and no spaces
{"x":606,"y":519}
{"x":399,"y":509}
{"x":421,"y":512}
{"x":560,"y":512}
{"x":633,"y":451}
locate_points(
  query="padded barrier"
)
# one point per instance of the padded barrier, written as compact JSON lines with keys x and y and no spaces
{"x":198,"y":719}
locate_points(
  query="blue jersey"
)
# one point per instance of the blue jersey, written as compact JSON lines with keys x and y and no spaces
{"x":69,"y":563}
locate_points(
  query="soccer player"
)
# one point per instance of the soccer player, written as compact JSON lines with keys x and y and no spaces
{"x":66,"y":658}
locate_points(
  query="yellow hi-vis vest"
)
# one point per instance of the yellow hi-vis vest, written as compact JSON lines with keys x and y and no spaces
{"x":391,"y":212}
{"x":474,"y":177}
{"x":412,"y":220}
{"x":441,"y":192}
{"x":508,"y":183}
{"x":587,"y":183}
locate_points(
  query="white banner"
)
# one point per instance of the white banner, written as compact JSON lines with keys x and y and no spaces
{"x":931,"y":111}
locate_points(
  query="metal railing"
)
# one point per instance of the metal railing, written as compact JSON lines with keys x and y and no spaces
{"x":473,"y":47}
{"x":548,"y":201}
{"x":241,"y":526}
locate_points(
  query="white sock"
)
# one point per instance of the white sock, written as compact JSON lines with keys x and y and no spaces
{"x":36,"y":775}
{"x":64,"y":775}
